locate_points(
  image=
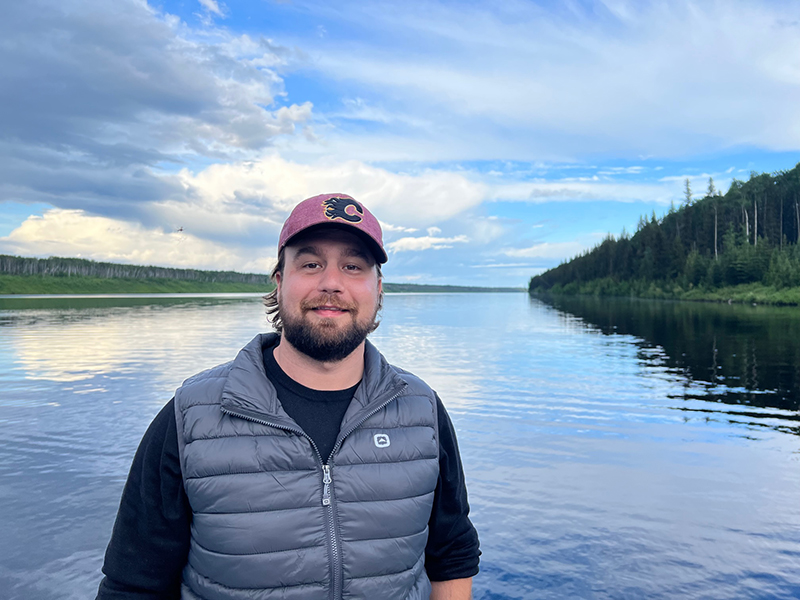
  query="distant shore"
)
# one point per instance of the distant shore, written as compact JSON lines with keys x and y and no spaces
{"x":42,"y":284}
{"x":748,"y":293}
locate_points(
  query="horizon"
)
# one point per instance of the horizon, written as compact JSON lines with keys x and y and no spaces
{"x":493,"y":142}
{"x":154,"y":266}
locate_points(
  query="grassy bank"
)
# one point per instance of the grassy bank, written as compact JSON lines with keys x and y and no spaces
{"x":749,"y":293}
{"x":36,"y":284}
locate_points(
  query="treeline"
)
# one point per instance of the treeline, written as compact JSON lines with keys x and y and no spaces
{"x":21,"y":275}
{"x":750,"y":234}
{"x":78,"y":267}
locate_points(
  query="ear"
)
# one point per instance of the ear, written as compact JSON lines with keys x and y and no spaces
{"x":380,"y":285}
{"x":278,"y":278}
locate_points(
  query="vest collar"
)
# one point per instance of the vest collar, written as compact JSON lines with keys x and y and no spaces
{"x":248,"y":389}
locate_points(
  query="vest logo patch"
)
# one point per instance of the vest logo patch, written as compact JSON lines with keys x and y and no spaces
{"x":336,"y":208}
{"x":381,"y":440}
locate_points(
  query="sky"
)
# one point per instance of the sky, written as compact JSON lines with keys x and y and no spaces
{"x":493,"y":140}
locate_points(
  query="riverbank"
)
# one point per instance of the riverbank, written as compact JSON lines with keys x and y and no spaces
{"x":37,"y":284}
{"x":749,"y":293}
{"x":43,"y":284}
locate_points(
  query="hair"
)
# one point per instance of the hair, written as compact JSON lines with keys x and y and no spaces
{"x":271,"y":299}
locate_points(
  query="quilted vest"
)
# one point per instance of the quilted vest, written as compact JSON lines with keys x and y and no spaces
{"x":272,"y":519}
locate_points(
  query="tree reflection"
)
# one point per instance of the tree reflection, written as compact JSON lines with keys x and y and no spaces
{"x":734,"y":354}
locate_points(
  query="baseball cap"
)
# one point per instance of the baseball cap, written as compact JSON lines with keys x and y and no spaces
{"x":340,"y":210}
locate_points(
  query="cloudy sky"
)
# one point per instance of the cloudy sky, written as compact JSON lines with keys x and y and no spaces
{"x":492,"y":139}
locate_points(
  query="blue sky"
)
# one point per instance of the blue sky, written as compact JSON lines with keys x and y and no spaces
{"x":492,"y":140}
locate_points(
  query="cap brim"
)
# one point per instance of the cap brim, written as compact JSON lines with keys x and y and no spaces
{"x":379,"y":253}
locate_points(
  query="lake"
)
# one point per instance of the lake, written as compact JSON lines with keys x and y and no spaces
{"x":613,"y":448}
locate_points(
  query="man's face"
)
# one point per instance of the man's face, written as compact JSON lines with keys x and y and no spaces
{"x":328,"y":294}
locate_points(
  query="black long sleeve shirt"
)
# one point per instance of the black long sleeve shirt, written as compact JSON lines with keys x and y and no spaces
{"x":150,"y":541}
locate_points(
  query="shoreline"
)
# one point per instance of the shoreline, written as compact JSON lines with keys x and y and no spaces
{"x":37,"y":285}
{"x":748,"y":293}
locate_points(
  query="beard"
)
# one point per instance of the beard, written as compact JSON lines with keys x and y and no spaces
{"x":326,"y":341}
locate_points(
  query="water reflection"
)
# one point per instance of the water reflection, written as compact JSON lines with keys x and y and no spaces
{"x":585,"y":481}
{"x":89,"y":341}
{"x":731,"y":354}
{"x":740,"y":354}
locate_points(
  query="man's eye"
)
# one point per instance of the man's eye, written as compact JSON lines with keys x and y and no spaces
{"x":353,"y":268}
{"x":311,"y":265}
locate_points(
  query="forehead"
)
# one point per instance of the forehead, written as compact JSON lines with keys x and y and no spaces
{"x":328,"y":239}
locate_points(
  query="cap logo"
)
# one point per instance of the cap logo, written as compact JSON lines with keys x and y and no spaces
{"x":336,"y":208}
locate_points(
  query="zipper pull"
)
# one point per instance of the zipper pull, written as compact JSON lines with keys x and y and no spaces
{"x":326,"y":488}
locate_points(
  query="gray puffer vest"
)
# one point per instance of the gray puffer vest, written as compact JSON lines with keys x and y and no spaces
{"x":272,"y":519}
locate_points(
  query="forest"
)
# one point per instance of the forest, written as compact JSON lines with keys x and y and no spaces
{"x":741,"y":245}
{"x":79,"y":267}
{"x":26,"y":275}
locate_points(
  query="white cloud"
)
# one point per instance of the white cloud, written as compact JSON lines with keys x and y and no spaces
{"x":570,"y":190}
{"x":502,"y":266}
{"x":416,"y":244}
{"x":272,"y":185}
{"x":635,"y":78}
{"x":73,"y":233}
{"x":212,"y":6}
{"x":396,"y":228}
{"x":635,"y":170}
{"x":553,"y":250}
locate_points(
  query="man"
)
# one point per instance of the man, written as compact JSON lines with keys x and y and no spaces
{"x":308,"y":467}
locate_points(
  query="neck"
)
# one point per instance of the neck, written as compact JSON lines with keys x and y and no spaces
{"x":317,"y":375}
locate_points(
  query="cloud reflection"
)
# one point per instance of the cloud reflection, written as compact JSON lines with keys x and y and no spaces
{"x":168,"y":342}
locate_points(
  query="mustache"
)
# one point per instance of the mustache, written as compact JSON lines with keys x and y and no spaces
{"x":327,"y":300}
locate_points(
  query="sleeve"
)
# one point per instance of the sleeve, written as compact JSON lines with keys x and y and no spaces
{"x":453,"y":548}
{"x":150,"y":541}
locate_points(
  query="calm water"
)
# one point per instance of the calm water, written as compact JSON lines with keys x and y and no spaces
{"x":613,"y":449}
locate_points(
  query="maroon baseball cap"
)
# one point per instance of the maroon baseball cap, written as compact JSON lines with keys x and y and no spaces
{"x":335,"y":209}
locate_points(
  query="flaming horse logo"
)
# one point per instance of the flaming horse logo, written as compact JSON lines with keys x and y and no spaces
{"x":336,"y":208}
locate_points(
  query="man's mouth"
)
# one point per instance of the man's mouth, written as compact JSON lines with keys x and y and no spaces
{"x":329,"y":308}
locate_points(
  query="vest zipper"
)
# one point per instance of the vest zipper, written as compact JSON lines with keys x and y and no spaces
{"x":326,"y":485}
{"x":333,"y":545}
{"x":327,"y":494}
{"x":327,"y":478}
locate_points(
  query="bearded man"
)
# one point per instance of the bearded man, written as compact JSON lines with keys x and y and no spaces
{"x":308,"y":467}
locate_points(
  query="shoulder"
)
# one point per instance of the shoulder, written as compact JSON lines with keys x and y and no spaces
{"x":249,"y":355}
{"x":203,"y":387}
{"x":218,"y":372}
{"x":415,"y":384}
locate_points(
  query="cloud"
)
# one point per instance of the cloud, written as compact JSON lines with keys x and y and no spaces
{"x":649,"y":78}
{"x":416,"y":244}
{"x":635,"y":170}
{"x":393,"y":228}
{"x":212,"y":6}
{"x":271,"y":186}
{"x":571,"y":190}
{"x":233,"y":206}
{"x":102,"y":100}
{"x":74,"y":233}
{"x":553,"y":250}
{"x":503,"y":266}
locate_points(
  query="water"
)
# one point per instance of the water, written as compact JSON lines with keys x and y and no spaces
{"x":613,"y":450}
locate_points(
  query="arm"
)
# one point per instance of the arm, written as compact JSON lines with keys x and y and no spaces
{"x":452,"y":553}
{"x":150,"y":541}
{"x":455,"y":589}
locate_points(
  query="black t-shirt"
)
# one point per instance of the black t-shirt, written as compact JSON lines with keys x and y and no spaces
{"x":319,"y":413}
{"x":150,"y":542}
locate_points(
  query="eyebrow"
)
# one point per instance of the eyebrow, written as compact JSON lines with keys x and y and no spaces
{"x":349,"y":252}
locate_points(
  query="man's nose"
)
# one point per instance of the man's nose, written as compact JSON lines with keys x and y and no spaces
{"x":331,"y":280}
